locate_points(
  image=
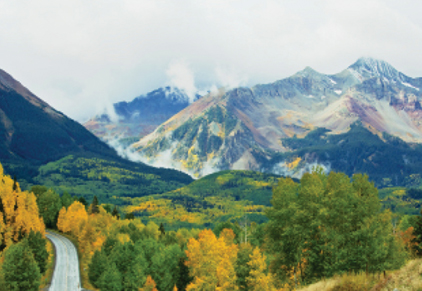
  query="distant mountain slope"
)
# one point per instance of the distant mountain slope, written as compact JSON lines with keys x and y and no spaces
{"x":32,"y":134}
{"x":32,"y":130}
{"x":244,"y":128}
{"x":140,"y":116}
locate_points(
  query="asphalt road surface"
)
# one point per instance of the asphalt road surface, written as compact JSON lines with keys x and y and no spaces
{"x":66,"y":271}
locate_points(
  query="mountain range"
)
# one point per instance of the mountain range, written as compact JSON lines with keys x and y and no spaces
{"x":40,"y":145}
{"x":255,"y":128}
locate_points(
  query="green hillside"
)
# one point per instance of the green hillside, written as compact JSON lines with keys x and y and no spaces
{"x":219,"y":197}
{"x":107,"y":178}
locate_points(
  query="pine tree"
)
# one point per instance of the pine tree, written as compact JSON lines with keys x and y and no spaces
{"x":20,"y":269}
{"x":162,"y":230}
{"x":115,"y":212}
{"x":242,"y":267}
{"x":38,"y":247}
{"x":417,"y":232}
{"x":15,"y":183}
{"x":94,"y":205}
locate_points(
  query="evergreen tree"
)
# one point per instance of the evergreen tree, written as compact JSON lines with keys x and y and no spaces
{"x":97,"y":267}
{"x":94,"y":206}
{"x":38,"y":247}
{"x":129,"y":215}
{"x":115,"y":212}
{"x":242,"y":268}
{"x":20,"y":269}
{"x":184,"y":277}
{"x":83,"y":201}
{"x":162,"y":230}
{"x":15,"y":183}
{"x":417,"y":232}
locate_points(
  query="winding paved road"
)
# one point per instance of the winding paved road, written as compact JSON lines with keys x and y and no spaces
{"x":66,"y":271}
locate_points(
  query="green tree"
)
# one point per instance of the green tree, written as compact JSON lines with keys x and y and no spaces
{"x":165,"y":267}
{"x":111,"y":279}
{"x":129,"y":215}
{"x":131,"y":264}
{"x":49,"y":205}
{"x":94,"y":206}
{"x":97,"y":267}
{"x":38,"y":247}
{"x":38,"y":190}
{"x":66,"y":199}
{"x":83,"y":201}
{"x":242,"y":268}
{"x":223,"y":225}
{"x":107,"y":207}
{"x":115,"y":212}
{"x":162,"y":231}
{"x":417,"y":232}
{"x":184,"y":277}
{"x":20,"y":269}
{"x":328,"y":224}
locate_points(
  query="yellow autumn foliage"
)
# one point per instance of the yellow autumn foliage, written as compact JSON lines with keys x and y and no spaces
{"x":18,"y":210}
{"x":257,"y":279}
{"x":72,"y":220}
{"x":211,"y":261}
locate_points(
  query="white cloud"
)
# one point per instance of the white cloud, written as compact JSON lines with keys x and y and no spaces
{"x":230,"y":78}
{"x":108,"y":51}
{"x":181,"y":76}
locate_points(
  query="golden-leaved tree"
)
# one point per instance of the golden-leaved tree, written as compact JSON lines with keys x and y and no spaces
{"x":73,"y":219}
{"x":18,"y":212}
{"x":211,"y":261}
{"x":258,"y":280}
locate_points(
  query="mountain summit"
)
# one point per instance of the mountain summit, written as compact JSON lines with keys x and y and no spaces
{"x":368,"y":68}
{"x":249,"y":128}
{"x":140,"y":116}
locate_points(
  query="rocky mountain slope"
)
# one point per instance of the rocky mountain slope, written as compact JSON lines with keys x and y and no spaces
{"x":247,"y":128}
{"x":138,"y":117}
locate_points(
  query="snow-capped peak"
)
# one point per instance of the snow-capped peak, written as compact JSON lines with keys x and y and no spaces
{"x":370,"y":67}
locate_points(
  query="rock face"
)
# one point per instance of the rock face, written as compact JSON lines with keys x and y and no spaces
{"x":245,"y":128}
{"x":139,"y":117}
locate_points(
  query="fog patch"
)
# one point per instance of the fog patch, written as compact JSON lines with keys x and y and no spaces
{"x":209,"y":167}
{"x":283,"y":170}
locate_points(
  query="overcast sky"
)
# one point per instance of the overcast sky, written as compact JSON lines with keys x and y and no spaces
{"x":82,"y":55}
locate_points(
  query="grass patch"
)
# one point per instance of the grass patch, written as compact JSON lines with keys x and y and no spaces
{"x":408,"y":278}
{"x":46,"y":278}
